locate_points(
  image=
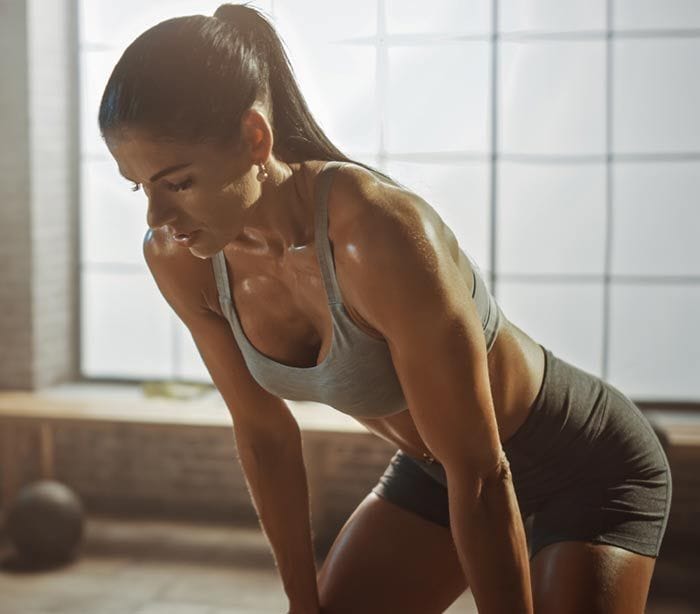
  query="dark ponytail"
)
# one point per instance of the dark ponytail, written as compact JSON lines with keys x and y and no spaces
{"x":190,"y":79}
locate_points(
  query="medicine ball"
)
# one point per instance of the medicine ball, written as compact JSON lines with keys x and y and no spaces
{"x":45,"y":522}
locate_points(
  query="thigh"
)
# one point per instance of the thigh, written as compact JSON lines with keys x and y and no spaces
{"x":389,"y":559}
{"x":575,"y":577}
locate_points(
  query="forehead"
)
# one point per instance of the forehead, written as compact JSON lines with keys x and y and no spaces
{"x":135,"y":144}
{"x":140,"y":155}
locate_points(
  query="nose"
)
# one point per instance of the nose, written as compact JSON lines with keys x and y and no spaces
{"x":159,"y":213}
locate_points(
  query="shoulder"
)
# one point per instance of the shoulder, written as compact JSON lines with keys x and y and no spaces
{"x":389,"y":245}
{"x":361,"y":203}
{"x":182,"y":278}
{"x":370,"y":217}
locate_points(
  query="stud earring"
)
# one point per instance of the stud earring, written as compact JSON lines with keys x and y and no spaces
{"x":262,"y":174}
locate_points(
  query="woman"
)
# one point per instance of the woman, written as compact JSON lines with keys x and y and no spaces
{"x":316,"y":277}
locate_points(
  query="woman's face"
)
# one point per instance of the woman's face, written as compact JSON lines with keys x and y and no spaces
{"x":202,"y":188}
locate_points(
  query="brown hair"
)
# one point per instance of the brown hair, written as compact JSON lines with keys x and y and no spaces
{"x":190,"y":79}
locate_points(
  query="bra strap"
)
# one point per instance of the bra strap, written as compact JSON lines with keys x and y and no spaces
{"x":221,"y":276}
{"x":323,"y":246}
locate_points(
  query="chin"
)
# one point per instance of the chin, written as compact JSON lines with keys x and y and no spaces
{"x":199,"y":253}
{"x":201,"y":249}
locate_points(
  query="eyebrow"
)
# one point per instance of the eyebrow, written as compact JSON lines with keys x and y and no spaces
{"x":162,"y":173}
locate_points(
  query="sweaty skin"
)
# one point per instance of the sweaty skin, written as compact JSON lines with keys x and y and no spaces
{"x":282,"y":306}
{"x":266,"y":293}
{"x":266,"y":231}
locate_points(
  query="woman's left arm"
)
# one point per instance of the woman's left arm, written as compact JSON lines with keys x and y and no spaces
{"x":406,"y":284}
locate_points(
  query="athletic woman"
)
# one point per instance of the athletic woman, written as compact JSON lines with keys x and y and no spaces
{"x":303,"y":274}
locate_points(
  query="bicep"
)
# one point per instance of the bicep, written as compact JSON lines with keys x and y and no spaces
{"x":414,"y":293}
{"x":443,"y":372}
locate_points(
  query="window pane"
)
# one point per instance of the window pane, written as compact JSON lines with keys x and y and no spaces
{"x":652,"y":14}
{"x":117,"y":24}
{"x":552,"y":97}
{"x":655,"y":341}
{"x":307,"y":22}
{"x":552,"y":15}
{"x":657,"y":95}
{"x":567,"y":318}
{"x":126,"y":328}
{"x":338,"y":81}
{"x":438,"y":98}
{"x":347,"y":114}
{"x":443,"y":16}
{"x":551,"y":218}
{"x":95,"y":70}
{"x":113,"y":219}
{"x":656,"y":218}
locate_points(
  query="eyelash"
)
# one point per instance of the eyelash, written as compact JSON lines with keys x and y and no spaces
{"x":177,"y":187}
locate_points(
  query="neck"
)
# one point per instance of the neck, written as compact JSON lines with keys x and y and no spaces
{"x":281,"y":219}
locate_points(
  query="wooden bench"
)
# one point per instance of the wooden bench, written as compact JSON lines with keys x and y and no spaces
{"x":679,"y":427}
{"x":95,"y":403}
{"x":114,"y":404}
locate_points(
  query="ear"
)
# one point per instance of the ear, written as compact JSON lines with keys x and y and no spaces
{"x":256,"y":133}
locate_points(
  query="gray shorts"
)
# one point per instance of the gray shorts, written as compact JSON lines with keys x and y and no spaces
{"x":586,"y":466}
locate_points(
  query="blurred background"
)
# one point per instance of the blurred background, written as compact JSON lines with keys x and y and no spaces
{"x":560,"y":141}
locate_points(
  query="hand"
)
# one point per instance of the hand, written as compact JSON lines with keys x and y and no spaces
{"x":305,"y":610}
{"x":305,"y":606}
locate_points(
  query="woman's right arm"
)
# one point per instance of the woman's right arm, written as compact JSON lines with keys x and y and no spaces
{"x":276,"y":478}
{"x":267,"y":436}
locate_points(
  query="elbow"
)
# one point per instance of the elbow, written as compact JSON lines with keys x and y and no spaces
{"x":480,"y":480}
{"x":500,"y":472}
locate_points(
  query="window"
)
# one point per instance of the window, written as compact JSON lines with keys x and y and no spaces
{"x":566,"y":163}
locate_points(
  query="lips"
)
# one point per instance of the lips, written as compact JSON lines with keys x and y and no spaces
{"x":175,"y":232}
{"x":184,"y":238}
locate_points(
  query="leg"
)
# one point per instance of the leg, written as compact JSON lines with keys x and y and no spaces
{"x":389,"y":559}
{"x":575,"y":577}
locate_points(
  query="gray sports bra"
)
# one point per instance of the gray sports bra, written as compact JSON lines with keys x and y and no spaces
{"x":357,"y":377}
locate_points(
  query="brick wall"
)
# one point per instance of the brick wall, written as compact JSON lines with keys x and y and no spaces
{"x":38,"y":193}
{"x":15,"y":220}
{"x":685,"y":502}
{"x":54,"y":169}
{"x":193,"y":472}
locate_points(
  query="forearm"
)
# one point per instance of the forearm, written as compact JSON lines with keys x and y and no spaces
{"x":276,"y":478}
{"x":491,"y":545}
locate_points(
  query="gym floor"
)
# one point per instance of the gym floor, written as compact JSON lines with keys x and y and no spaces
{"x":166,"y":567}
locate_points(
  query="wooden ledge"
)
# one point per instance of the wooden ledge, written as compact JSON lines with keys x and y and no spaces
{"x":76,"y":403}
{"x":681,"y":428}
{"x":92,"y":402}
{"x":96,"y":403}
